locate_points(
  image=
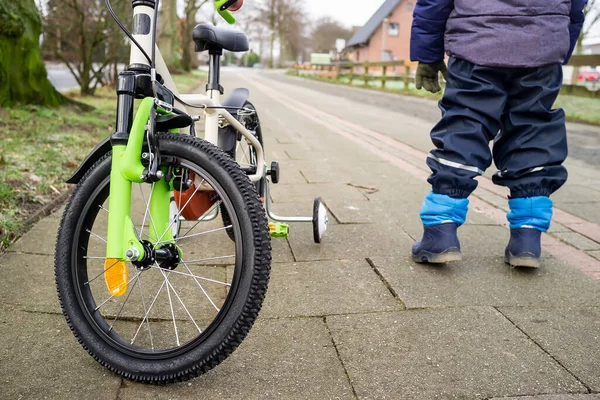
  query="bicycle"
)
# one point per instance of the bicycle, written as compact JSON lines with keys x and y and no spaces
{"x":171,"y":290}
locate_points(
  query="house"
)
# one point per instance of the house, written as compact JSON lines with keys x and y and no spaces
{"x":386,"y":36}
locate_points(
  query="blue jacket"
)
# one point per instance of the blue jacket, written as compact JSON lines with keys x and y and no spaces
{"x":497,"y":33}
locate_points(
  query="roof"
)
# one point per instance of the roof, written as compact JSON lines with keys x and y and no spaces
{"x":364,"y":34}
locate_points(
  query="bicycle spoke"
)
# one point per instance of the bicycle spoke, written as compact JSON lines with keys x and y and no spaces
{"x":171,"y":306}
{"x":123,"y":306}
{"x":97,"y":236}
{"x":180,"y":211}
{"x":147,"y":320}
{"x":147,"y":312}
{"x":182,"y":304}
{"x":146,"y":212}
{"x":203,"y":233}
{"x":112,"y":296}
{"x":207,"y":213}
{"x":201,"y":288}
{"x":101,"y":273}
{"x":210,"y":259}
{"x":194,"y":276}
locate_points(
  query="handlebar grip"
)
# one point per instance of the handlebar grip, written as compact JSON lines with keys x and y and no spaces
{"x":227,"y":15}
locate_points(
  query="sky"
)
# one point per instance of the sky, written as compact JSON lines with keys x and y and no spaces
{"x":348,"y":12}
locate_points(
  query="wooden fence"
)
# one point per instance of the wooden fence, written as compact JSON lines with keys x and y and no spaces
{"x":403,"y":71}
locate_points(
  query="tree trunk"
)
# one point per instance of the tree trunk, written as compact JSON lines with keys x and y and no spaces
{"x":23,"y":76}
{"x":168,"y":40}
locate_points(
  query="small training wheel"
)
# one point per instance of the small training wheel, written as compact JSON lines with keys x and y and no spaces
{"x":174,"y":218}
{"x":320,"y":220}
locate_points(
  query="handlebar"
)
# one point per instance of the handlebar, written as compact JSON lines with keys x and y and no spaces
{"x":222,"y":8}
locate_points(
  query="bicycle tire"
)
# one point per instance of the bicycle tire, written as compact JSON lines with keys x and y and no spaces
{"x":242,"y":302}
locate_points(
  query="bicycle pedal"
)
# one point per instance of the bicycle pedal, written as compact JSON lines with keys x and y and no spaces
{"x":279,"y":230}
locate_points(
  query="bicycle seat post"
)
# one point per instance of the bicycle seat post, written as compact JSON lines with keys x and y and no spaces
{"x":214,"y":90}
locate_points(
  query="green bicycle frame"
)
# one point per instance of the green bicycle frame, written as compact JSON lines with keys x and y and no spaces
{"x":127,"y":168}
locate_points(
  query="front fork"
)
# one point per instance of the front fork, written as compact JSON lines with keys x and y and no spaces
{"x":123,"y":242}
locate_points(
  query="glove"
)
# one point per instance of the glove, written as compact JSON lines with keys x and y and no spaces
{"x":428,"y":76}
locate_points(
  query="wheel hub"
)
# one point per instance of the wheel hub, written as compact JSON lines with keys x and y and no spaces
{"x":166,"y":256}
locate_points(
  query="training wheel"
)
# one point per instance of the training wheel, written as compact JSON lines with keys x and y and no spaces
{"x":174,"y":217}
{"x":320,"y":220}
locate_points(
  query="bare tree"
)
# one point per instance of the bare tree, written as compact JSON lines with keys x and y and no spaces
{"x":326,"y":32}
{"x":285,"y":21}
{"x":77,"y":32}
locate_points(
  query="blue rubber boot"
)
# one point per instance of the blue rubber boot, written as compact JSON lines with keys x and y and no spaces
{"x":441,"y":216}
{"x":439,"y":245}
{"x":524,"y":248}
{"x":528,"y":218}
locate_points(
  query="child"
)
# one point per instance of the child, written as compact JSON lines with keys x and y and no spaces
{"x":503,"y":76}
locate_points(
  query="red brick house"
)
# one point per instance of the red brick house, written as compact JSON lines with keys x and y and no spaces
{"x":386,"y":36}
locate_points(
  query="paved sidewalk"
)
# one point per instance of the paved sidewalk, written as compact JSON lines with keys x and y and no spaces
{"x":354,"y":317}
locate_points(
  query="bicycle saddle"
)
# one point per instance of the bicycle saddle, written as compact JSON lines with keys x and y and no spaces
{"x":210,"y":37}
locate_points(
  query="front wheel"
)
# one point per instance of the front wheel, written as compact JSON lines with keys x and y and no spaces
{"x":179,"y":319}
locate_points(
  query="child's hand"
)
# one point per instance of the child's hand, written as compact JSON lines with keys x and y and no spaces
{"x":428,"y":76}
{"x":237,"y":5}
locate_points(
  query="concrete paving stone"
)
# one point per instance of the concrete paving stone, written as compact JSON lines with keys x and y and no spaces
{"x":289,"y":175}
{"x":325,"y":288}
{"x":365,"y":212}
{"x":28,"y":282}
{"x":576,"y":194}
{"x":577,"y":240}
{"x":493,"y":199}
{"x":350,"y":242}
{"x":399,"y":191}
{"x":302,"y":193}
{"x":281,"y":251}
{"x":588,"y":211}
{"x":280,"y":359}
{"x":557,"y":227}
{"x":555,"y":397}
{"x":43,"y":360}
{"x":595,"y":254}
{"x":352,"y":211}
{"x":485,"y":281}
{"x":41,"y":239}
{"x":571,"y":335}
{"x":466,"y":353}
{"x":324,"y":172}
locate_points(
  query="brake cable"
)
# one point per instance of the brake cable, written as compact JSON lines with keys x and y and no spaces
{"x":126,"y":31}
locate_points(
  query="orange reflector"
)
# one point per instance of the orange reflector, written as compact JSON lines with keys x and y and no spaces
{"x":116,"y":276}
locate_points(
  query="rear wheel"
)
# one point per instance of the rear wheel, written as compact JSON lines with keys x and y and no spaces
{"x":179,"y":319}
{"x":245,"y":154}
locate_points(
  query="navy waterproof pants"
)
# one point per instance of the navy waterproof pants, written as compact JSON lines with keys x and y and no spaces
{"x":513,"y":108}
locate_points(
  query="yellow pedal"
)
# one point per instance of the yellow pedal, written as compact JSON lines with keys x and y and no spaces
{"x":116,"y":276}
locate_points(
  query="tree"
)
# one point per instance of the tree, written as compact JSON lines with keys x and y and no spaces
{"x":285,"y":21}
{"x":592,"y":16}
{"x":23,"y":76}
{"x":167,"y":35}
{"x":326,"y":32}
{"x":189,"y":22}
{"x":76,"y":30}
